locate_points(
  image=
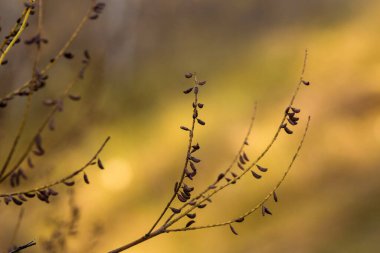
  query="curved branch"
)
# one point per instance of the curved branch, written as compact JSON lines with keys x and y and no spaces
{"x":260,"y":204}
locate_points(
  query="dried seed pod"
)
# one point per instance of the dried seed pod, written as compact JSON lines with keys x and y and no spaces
{"x":29,"y":194}
{"x":240,"y":166}
{"x":195,"y":148}
{"x":262,"y":169}
{"x":307,"y":83}
{"x":291,"y":122}
{"x":20,"y":196}
{"x":192,"y":203}
{"x":69,"y":183}
{"x":201,"y":122}
{"x":4,"y":62}
{"x":220,"y":177}
{"x":52,"y":192}
{"x":265,"y":210}
{"x":43,"y":197}
{"x":241,"y":160}
{"x":184,"y":128}
{"x":16,"y":201}
{"x":175,"y":210}
{"x":189,"y":223}
{"x":245,"y":157}
{"x":74,"y":97}
{"x":234,"y":174}
{"x":227,"y":179}
{"x":186,"y":195}
{"x":68,"y":55}
{"x":201,"y":83}
{"x":189,"y":75}
{"x":192,"y":166}
{"x":202,"y":206}
{"x":181,"y":198}
{"x":200,"y":105}
{"x":194,"y":159}
{"x":195,"y":114}
{"x":295,"y":119}
{"x":291,"y":114}
{"x":287,"y":130}
{"x":7,"y":199}
{"x":275,"y":197}
{"x":296,"y":110}
{"x":188,"y":90}
{"x":100,"y":164}
{"x":86,"y":54}
{"x":187,"y":188}
{"x":196,"y":90}
{"x":233,"y":230}
{"x":85,"y":178}
{"x":241,"y":219}
{"x":191,"y":215}
{"x":255,"y":175}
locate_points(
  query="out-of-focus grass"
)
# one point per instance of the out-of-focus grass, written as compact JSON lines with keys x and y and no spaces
{"x":248,"y":51}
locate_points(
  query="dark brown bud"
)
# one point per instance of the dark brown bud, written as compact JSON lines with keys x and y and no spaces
{"x":255,"y":175}
{"x":188,"y":90}
{"x":175,"y":210}
{"x":233,"y":230}
{"x":201,"y":122}
{"x":190,"y":223}
{"x":262,"y":169}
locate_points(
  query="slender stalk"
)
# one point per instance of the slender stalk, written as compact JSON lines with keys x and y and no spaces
{"x":18,"y":34}
{"x":60,"y":53}
{"x":62,"y":180}
{"x":191,"y":136}
{"x":270,"y":194}
{"x":18,"y":136}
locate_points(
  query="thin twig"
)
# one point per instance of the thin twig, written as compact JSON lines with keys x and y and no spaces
{"x":39,"y":131}
{"x":228,"y":169}
{"x":66,"y":178}
{"x":207,"y":197}
{"x":191,"y":136}
{"x":270,"y":194}
{"x":47,"y":67}
{"x":18,"y":249}
{"x":20,"y":30}
{"x":18,"y":136}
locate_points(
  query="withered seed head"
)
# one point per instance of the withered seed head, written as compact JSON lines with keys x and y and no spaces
{"x":233,"y":230}
{"x":255,"y":175}
{"x":188,"y":90}
{"x":189,"y":223}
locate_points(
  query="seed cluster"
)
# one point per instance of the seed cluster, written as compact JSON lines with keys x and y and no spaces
{"x":17,"y":172}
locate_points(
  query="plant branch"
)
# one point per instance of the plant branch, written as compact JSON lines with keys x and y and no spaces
{"x":66,"y":178}
{"x":18,"y":34}
{"x":188,"y":153}
{"x":260,"y":204}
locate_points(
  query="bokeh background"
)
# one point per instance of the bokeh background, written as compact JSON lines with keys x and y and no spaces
{"x":248,"y":51}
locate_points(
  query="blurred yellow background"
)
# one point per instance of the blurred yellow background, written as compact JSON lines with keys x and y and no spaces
{"x":247,"y":50}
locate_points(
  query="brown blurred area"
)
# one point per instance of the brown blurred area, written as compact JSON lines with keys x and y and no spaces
{"x":247,"y":51}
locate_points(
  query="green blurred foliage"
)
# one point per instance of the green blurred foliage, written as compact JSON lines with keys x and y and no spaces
{"x":247,"y":51}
